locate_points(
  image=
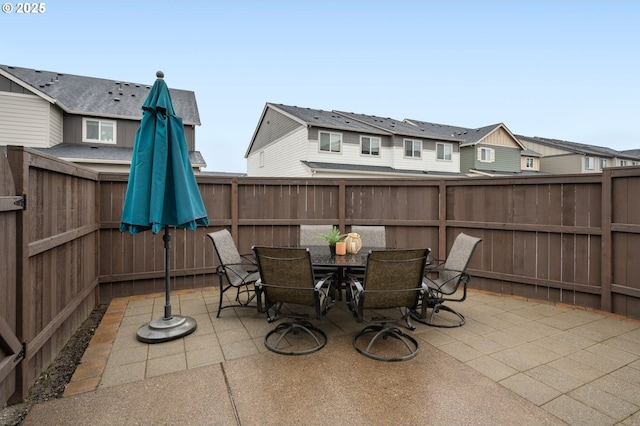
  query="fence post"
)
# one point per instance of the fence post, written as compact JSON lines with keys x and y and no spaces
{"x":607,"y":267}
{"x":18,"y":162}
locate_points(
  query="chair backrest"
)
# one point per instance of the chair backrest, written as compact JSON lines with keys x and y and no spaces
{"x":229,"y":256}
{"x":287,"y":274}
{"x":309,"y":234}
{"x":459,"y":256}
{"x":393,"y":277}
{"x":371,"y":236}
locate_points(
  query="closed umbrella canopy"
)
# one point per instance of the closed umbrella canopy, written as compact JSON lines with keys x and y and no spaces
{"x":162,"y":192}
{"x":162,"y":188}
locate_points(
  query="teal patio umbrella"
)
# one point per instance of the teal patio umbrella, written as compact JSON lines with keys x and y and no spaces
{"x":162,"y":192}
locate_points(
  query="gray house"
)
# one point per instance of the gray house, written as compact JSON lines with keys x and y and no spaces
{"x":86,"y":120}
{"x":560,"y":156}
{"x":295,"y":141}
{"x":491,"y":150}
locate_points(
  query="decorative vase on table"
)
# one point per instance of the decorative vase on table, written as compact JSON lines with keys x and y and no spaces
{"x":332,"y":249}
{"x":354,"y":243}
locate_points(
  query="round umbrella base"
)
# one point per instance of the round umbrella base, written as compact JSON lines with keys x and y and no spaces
{"x":163,"y":330}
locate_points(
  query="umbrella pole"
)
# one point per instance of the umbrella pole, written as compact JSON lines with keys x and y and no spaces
{"x":169,"y":327}
{"x":167,"y":276}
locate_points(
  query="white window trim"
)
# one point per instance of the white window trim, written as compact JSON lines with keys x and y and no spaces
{"x":99,"y":120}
{"x":445,"y":145}
{"x":413,"y":149}
{"x":528,"y":160}
{"x":330,"y":151}
{"x":491,"y":153}
{"x":589,"y":163}
{"x":371,"y":139}
{"x":603,"y":163}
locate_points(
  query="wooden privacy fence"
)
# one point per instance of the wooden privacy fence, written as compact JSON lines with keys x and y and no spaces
{"x":48,"y":262}
{"x":566,"y":238}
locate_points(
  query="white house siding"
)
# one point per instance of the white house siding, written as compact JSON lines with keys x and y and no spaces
{"x":24,"y":120}
{"x":55,"y":126}
{"x":281,"y":157}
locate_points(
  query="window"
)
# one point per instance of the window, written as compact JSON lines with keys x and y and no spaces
{"x":623,"y":162}
{"x":486,"y":155}
{"x":443,"y":151}
{"x":603,"y":163}
{"x":589,"y":163}
{"x":94,"y":130}
{"x":412,"y":148}
{"x":528,"y":163}
{"x":261,"y":158}
{"x":330,"y":142}
{"x":369,"y":145}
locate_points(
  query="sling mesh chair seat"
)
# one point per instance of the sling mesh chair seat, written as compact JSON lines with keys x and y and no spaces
{"x":310,"y":236}
{"x":287,"y":283}
{"x":238,"y":270}
{"x":443,"y":280}
{"x":393,"y":279}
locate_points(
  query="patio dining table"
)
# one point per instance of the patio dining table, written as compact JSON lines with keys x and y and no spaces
{"x":321,"y":257}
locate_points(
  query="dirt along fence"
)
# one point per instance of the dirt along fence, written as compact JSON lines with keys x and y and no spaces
{"x":566,"y":238}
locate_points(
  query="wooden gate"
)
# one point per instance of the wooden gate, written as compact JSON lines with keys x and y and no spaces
{"x":11,"y":352}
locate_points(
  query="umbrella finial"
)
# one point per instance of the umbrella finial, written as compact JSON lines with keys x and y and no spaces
{"x":160,"y":74}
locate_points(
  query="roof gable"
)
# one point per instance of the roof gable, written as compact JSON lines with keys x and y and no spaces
{"x":97,"y":96}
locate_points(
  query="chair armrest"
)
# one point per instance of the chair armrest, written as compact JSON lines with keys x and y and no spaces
{"x":350,"y":279}
{"x":250,"y":257}
{"x":322,"y":280}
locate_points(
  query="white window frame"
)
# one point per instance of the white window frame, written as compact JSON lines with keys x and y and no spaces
{"x":486,"y":155}
{"x":589,"y":163}
{"x":603,"y":163}
{"x":446,"y":156}
{"x":529,"y":163}
{"x":331,"y":150}
{"x":100,"y":122}
{"x":416,"y":148}
{"x":374,"y":149}
{"x":623,"y":163}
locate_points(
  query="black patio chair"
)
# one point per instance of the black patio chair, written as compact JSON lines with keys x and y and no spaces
{"x":443,"y":279}
{"x":393,"y":279}
{"x":239,"y":271}
{"x":287,"y":287}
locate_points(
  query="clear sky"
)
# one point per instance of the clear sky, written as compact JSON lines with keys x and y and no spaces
{"x":559,"y":69}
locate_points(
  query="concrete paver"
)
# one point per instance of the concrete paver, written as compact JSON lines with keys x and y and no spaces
{"x":516,"y":361}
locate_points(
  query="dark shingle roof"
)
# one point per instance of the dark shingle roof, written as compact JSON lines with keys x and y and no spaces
{"x":101,"y":97}
{"x":464,"y":134}
{"x":327,"y":119}
{"x":579,"y":148}
{"x":398,"y":127}
{"x":105,"y":153}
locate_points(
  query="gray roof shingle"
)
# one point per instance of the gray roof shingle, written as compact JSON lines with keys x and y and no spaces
{"x":326,"y":119}
{"x":101,"y":97}
{"x":579,"y":148}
